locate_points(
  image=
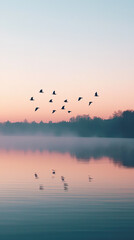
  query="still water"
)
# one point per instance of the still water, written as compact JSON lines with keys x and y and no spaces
{"x":95,"y":201}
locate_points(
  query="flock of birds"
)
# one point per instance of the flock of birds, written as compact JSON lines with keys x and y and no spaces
{"x":65,"y":101}
{"x":41,"y":187}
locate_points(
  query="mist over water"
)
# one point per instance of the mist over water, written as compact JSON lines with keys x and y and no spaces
{"x":95,"y":200}
{"x":117,"y":149}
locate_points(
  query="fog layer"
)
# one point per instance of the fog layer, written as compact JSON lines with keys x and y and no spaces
{"x":119,"y":150}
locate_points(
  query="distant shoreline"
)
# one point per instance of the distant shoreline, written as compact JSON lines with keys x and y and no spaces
{"x":121,"y":125}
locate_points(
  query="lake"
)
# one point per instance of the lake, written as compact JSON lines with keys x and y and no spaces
{"x":95,"y":200}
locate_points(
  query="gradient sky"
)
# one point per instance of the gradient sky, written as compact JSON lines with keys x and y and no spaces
{"x":75,"y":47}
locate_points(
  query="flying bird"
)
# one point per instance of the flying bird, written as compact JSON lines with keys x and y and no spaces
{"x":36,"y":109}
{"x":90,"y":103}
{"x":54,"y":93}
{"x":31,"y":99}
{"x":80,"y":98}
{"x":69,"y":111}
{"x":53,"y":111}
{"x":41,"y":91}
{"x":96,"y":94}
{"x":51,"y":100}
{"x":65,"y":101}
{"x":63,"y":107}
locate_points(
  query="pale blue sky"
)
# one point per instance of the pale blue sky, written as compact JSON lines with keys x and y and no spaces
{"x":73,"y":46}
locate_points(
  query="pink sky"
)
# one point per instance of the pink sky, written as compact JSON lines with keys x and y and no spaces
{"x":75,"y":49}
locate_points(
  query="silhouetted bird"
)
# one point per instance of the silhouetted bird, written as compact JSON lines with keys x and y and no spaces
{"x":53,"y":111}
{"x":53,"y":171}
{"x":90,"y":178}
{"x":36,"y":176}
{"x":41,"y":91}
{"x":31,"y":99}
{"x":62,"y":178}
{"x":69,"y":111}
{"x":65,"y":100}
{"x":36,"y":109}
{"x":54,"y":93}
{"x":90,"y":103}
{"x":80,"y":98}
{"x":51,"y":100}
{"x":63,"y":107}
{"x":96,"y":94}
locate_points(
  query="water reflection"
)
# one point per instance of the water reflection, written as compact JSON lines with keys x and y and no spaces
{"x":84,"y":199}
{"x":121,"y":151}
{"x":41,"y":187}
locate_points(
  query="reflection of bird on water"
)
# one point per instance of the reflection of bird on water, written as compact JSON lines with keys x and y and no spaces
{"x":51,"y":100}
{"x":62,"y":178}
{"x":41,"y":91}
{"x":63,"y":107}
{"x":53,"y":111}
{"x":96,"y":94}
{"x":36,"y":176}
{"x":65,"y":101}
{"x":41,"y":187}
{"x":53,"y":171}
{"x":36,"y":109}
{"x":31,"y":99}
{"x":54,"y":93}
{"x":90,"y":103}
{"x":90,"y":178}
{"x":80,"y":98}
{"x":66,"y":186}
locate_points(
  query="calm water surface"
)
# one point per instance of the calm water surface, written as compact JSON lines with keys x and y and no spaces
{"x":76,"y":208}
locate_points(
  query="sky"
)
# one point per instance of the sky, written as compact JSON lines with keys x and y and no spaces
{"x":75,"y":47}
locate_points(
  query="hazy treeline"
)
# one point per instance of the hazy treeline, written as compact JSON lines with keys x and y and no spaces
{"x":120,"y":125}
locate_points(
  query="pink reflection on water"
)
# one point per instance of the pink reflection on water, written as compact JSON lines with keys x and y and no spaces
{"x":18,"y":167}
